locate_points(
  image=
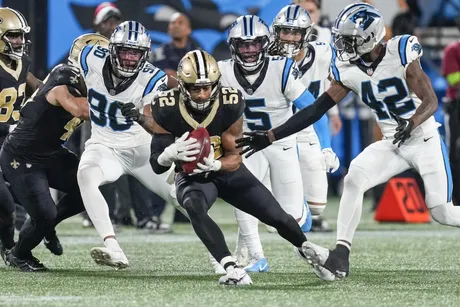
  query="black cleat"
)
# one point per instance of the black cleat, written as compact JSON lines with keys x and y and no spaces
{"x":4,"y":254}
{"x":26,"y":264}
{"x":337,"y":264}
{"x":319,"y":225}
{"x":52,"y":243}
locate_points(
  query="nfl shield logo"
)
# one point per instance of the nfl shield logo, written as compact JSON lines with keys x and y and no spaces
{"x":370,"y":71}
{"x":112,"y":92}
{"x":249,"y":91}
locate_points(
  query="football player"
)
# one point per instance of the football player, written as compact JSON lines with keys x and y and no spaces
{"x":270,"y":86}
{"x":16,"y":82}
{"x":389,"y":79}
{"x":200,"y":101}
{"x":291,"y":30}
{"x":116,"y":76}
{"x":33,"y":158}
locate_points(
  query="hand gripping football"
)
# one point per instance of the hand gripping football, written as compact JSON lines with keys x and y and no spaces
{"x":201,"y":135}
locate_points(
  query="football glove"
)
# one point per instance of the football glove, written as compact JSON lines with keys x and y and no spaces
{"x":180,"y":150}
{"x":210,"y":165}
{"x":254,"y":141}
{"x":403,"y":130}
{"x":330,"y":161}
{"x":130,"y":111}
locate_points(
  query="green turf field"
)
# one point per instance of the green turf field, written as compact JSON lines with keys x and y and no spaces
{"x":391,"y":265}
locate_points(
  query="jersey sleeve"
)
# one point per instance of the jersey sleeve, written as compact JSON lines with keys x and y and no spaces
{"x":83,"y":59}
{"x":291,"y":84}
{"x":157,"y":83}
{"x":409,"y":49}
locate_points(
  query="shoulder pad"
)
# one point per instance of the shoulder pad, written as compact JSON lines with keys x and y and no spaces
{"x":406,"y":47}
{"x":231,"y":96}
{"x":151,"y":75}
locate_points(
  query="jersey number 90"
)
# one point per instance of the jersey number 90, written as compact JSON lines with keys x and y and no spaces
{"x":103,"y":112}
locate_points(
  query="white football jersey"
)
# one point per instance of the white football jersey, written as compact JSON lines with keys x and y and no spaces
{"x":383,"y":86}
{"x":108,"y":125}
{"x":314,"y":69}
{"x":269,"y":94}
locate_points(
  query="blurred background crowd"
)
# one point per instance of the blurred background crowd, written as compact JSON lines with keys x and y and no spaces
{"x":178,"y":26}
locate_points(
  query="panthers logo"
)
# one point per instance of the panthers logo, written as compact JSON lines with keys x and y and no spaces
{"x":417,"y":48}
{"x":364,"y":18}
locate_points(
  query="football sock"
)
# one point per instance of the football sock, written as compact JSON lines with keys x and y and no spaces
{"x":7,"y":235}
{"x":89,"y":179}
{"x":248,"y":233}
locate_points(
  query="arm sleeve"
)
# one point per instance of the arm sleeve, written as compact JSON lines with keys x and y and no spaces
{"x":305,"y":117}
{"x":322,"y":125}
{"x":159,"y":142}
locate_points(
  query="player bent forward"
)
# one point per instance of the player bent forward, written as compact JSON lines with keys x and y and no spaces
{"x":201,"y":101}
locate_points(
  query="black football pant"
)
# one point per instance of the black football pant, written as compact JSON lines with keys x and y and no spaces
{"x":30,"y":183}
{"x":7,"y":208}
{"x":240,"y":189}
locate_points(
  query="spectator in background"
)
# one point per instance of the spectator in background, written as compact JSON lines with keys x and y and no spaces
{"x":451,"y":71}
{"x":168,"y":56}
{"x":106,"y":18}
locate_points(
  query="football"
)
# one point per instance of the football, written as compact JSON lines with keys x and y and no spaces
{"x":202,"y":137}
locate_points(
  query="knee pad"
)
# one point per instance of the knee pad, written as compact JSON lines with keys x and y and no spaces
{"x":446,"y":214}
{"x":195,"y":203}
{"x":356,"y":179}
{"x":89,"y":173}
{"x":316,"y":209}
{"x":7,"y":220}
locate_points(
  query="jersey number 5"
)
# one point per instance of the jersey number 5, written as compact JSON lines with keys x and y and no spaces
{"x":262,"y":118}
{"x":394,"y":102}
{"x":102,"y":112}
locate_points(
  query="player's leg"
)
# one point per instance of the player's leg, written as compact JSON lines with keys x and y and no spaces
{"x":7,"y":208}
{"x":100,"y":165}
{"x":431,"y":160}
{"x":376,"y":164}
{"x":314,"y":181}
{"x":245,"y":192}
{"x":197,"y":194}
{"x":248,"y":232}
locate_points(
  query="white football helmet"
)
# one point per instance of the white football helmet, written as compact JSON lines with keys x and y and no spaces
{"x":359,"y":27}
{"x":129,"y":48}
{"x":248,"y":38}
{"x":291,"y":19}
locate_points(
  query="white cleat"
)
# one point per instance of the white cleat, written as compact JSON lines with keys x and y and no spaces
{"x":218,"y":268}
{"x":105,"y":256}
{"x":271,"y":229}
{"x":316,"y":256}
{"x":236,"y":277}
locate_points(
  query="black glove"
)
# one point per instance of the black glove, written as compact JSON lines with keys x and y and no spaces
{"x":254,"y":140}
{"x":403,"y":130}
{"x":130,"y":111}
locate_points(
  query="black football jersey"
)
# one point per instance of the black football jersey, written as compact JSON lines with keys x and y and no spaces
{"x":170,"y":112}
{"x":12,"y":93}
{"x":43,"y":128}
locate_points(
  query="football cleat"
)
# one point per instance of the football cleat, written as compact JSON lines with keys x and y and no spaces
{"x":326,"y":264}
{"x":320,"y":225}
{"x":319,"y":271}
{"x":218,"y":268}
{"x":108,"y":257}
{"x":235,"y":277}
{"x":26,"y":264}
{"x":260,"y":265}
{"x":306,"y":227}
{"x":53,"y":245}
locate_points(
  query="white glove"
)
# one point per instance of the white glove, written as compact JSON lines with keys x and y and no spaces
{"x":330,"y":161}
{"x":210,"y":165}
{"x":180,"y":150}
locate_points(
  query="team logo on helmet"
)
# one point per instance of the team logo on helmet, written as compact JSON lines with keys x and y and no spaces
{"x":364,"y":18}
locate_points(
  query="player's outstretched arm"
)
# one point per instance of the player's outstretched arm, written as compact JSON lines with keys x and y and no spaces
{"x":420,"y":84}
{"x":258,"y":140}
{"x":77,"y":106}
